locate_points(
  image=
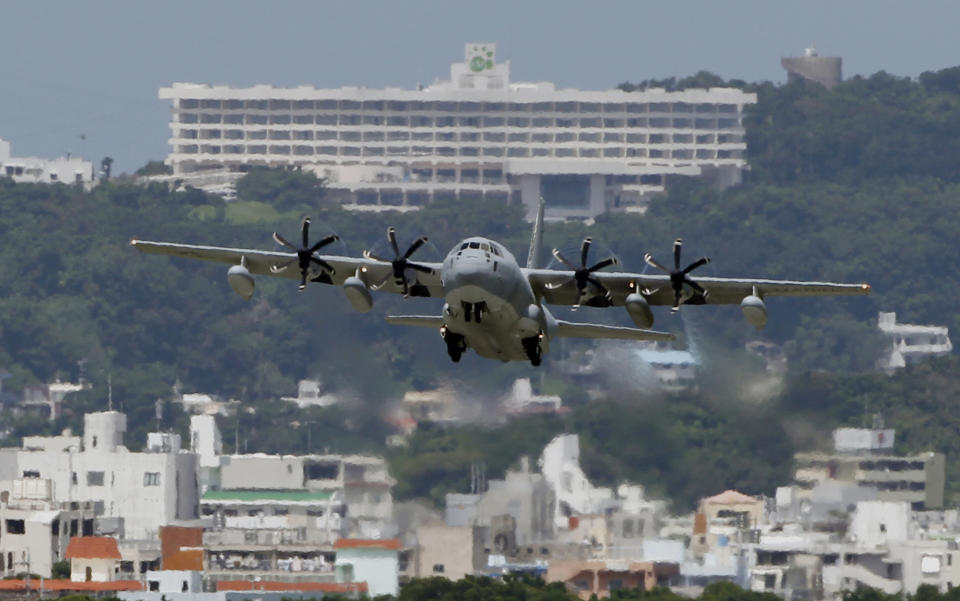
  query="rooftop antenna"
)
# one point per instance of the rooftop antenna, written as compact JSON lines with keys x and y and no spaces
{"x":110,"y":392}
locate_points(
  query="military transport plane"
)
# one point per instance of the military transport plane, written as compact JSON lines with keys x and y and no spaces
{"x":492,"y":304}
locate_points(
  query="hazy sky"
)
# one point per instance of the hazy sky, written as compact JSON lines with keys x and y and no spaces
{"x":93,"y":68}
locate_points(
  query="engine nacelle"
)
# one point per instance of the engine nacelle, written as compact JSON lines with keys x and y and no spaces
{"x":754,"y":310}
{"x":639,"y":310}
{"x":358,"y":294}
{"x":241,"y":281}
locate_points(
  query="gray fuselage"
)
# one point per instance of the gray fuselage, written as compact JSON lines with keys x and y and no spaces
{"x":490,"y":302}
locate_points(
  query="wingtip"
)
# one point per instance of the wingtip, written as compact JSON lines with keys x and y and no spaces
{"x":865,"y":287}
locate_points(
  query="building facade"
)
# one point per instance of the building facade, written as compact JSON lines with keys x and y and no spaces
{"x":475,"y":135}
{"x":144,"y":490}
{"x":36,"y":170}
{"x":864,"y":457}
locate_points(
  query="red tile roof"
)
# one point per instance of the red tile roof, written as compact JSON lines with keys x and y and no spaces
{"x":68,"y":585}
{"x":93,"y":547}
{"x":391,"y":544}
{"x":185,"y":559}
{"x":265,"y":585}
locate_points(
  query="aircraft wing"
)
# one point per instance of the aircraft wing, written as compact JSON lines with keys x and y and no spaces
{"x":569,"y":329}
{"x":558,"y":288}
{"x":423,"y":321}
{"x":261,"y":262}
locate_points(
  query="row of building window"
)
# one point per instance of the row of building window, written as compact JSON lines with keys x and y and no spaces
{"x":475,"y":121}
{"x":470,"y":152}
{"x":487,"y":136}
{"x":454,"y":106}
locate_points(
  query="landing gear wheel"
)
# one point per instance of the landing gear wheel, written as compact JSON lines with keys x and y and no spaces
{"x":531,"y":346}
{"x":456,"y":344}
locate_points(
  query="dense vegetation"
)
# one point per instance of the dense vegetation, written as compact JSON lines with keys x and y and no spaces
{"x":856,"y":184}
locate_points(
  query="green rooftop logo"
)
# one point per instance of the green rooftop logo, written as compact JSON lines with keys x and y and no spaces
{"x":481,"y":57}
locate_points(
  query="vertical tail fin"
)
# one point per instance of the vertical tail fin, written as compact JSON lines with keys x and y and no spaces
{"x":536,"y":239}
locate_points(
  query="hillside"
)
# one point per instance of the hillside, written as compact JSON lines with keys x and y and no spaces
{"x":856,"y":184}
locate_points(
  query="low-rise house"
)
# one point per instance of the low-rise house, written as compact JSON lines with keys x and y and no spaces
{"x":449,"y":551}
{"x":93,"y":558}
{"x":602,"y":577}
{"x":375,"y":562}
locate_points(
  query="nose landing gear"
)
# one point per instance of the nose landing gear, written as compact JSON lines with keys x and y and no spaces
{"x":531,"y":346}
{"x":474,"y":311}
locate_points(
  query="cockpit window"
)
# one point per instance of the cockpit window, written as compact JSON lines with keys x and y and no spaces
{"x":474,"y":245}
{"x":485,"y":247}
{"x":495,"y":249}
{"x":464,"y":245}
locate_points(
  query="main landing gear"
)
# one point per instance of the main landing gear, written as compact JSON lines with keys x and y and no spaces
{"x":476,"y":310}
{"x":531,"y":346}
{"x":456,"y":344}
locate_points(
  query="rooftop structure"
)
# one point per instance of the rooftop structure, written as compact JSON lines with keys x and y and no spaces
{"x":911,"y":343}
{"x":475,"y":135}
{"x":35,"y":170}
{"x":825,"y":70}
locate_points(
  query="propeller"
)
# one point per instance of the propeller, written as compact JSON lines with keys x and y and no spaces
{"x":304,"y":253}
{"x":678,"y":277}
{"x":583,"y":275}
{"x":399,"y":262}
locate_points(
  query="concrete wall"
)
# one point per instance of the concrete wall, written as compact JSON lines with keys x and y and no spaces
{"x":379,"y":568}
{"x":269,"y":472}
{"x":458,"y":549}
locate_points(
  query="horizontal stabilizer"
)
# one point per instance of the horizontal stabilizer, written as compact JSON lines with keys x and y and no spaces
{"x":424,"y":321}
{"x":567,"y":329}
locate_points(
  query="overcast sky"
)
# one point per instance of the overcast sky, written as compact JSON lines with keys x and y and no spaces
{"x":92,"y":69}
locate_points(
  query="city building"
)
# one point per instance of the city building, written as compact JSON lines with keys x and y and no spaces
{"x":911,"y":343}
{"x":35,"y":170}
{"x":522,"y":400}
{"x":375,"y":562}
{"x":449,"y":551}
{"x":478,"y":134}
{"x":134,"y":493}
{"x":280,"y":535}
{"x":34,"y":529}
{"x":724,"y":518}
{"x":825,"y":70}
{"x":360,"y":485}
{"x":864,"y":457}
{"x":47,"y":399}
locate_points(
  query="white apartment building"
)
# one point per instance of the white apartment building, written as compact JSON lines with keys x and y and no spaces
{"x":911,"y":343}
{"x":34,"y":529}
{"x":865,"y":457}
{"x":477,"y":134}
{"x":360,"y":484}
{"x":271,"y":534}
{"x":36,"y":170}
{"x":146,"y":490}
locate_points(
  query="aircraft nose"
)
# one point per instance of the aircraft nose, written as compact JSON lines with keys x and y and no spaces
{"x":469,"y":272}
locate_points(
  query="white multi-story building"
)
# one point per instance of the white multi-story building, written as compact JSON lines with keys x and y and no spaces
{"x":864,"y":457}
{"x":911,"y":343}
{"x":147,"y":490}
{"x":475,"y":135}
{"x":36,"y":170}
